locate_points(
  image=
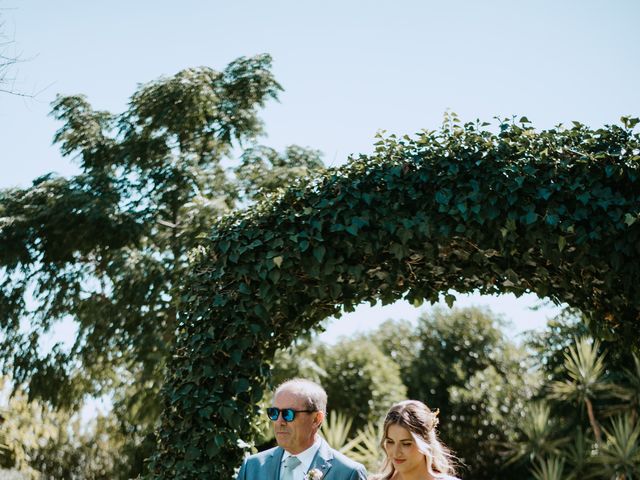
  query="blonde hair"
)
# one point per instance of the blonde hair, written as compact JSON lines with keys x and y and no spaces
{"x":421,"y":422}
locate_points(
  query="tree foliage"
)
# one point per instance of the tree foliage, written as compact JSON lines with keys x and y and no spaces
{"x":467,"y":368}
{"x":8,"y":59}
{"x":41,"y":443}
{"x":361,"y":381}
{"x":108,"y":249}
{"x":590,"y":395}
{"x":263,"y":169}
{"x":400,"y":341}
{"x":552,"y":212}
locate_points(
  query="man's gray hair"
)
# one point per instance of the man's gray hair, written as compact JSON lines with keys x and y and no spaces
{"x":314,"y":394}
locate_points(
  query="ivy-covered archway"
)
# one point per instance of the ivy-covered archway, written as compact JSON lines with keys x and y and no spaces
{"x":554,"y":212}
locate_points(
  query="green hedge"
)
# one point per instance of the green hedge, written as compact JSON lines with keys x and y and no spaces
{"x":553,"y":212}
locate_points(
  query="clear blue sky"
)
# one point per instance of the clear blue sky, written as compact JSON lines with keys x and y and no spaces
{"x":348,"y":68}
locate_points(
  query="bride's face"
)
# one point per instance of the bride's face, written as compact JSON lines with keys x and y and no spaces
{"x":402,"y":451}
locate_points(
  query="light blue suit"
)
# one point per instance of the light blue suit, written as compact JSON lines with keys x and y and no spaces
{"x":333,"y":465}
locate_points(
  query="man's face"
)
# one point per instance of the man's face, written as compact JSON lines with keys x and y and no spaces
{"x":298,"y":435}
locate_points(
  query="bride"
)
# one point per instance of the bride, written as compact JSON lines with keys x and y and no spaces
{"x":411,"y":446}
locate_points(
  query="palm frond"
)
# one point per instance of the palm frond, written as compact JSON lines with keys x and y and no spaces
{"x":620,"y":454}
{"x":336,"y":429}
{"x":365,"y":447}
{"x":551,"y":468}
{"x":585,"y":368}
{"x":538,"y":436}
{"x":578,"y":454}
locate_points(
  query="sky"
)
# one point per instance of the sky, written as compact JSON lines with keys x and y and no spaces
{"x":348,"y":69}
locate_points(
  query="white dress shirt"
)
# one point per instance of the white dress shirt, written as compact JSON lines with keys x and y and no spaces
{"x":305,"y":458}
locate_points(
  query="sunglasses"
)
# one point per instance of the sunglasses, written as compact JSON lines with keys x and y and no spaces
{"x":288,"y":414}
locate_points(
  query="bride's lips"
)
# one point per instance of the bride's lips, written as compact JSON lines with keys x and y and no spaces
{"x":399,"y":460}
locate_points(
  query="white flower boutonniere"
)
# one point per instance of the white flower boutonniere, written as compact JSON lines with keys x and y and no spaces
{"x":313,"y":474}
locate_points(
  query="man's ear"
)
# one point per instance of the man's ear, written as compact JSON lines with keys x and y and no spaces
{"x":319,"y":419}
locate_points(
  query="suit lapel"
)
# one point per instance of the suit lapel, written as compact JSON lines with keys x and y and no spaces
{"x":274,"y":463}
{"x":323,"y":459}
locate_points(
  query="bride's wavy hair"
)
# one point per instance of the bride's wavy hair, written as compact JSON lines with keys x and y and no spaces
{"x":421,"y":422}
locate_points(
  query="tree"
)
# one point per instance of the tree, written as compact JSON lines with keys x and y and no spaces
{"x":262,"y":169}
{"x":41,"y":442}
{"x":109,"y":247}
{"x":361,"y":381}
{"x":538,"y":436}
{"x":7,"y":59}
{"x":619,"y":457}
{"x":581,"y":372}
{"x":548,"y":346}
{"x":550,"y":469}
{"x":586,"y":370}
{"x":478,"y":379}
{"x":398,"y":340}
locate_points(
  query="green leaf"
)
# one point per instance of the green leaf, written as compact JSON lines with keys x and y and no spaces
{"x":212,"y":449}
{"x":544,"y":193}
{"x":240,"y":385}
{"x":278,"y":261}
{"x":584,"y":198}
{"x":352,"y":229}
{"x":449,"y":299}
{"x":562,"y":242}
{"x":443,"y":196}
{"x":397,"y":250}
{"x":274,"y":275}
{"x":630,"y":219}
{"x":318,"y":252}
{"x":530,"y":217}
{"x":551,"y":219}
{"x":192,"y":453}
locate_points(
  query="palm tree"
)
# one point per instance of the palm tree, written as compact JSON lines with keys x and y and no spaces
{"x":619,"y":457}
{"x":335,"y":430}
{"x":585,"y":368}
{"x":578,"y":455}
{"x":365,"y":447}
{"x":549,"y":469}
{"x":537,"y":430}
{"x":630,"y":391}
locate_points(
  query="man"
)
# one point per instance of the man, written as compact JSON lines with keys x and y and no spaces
{"x":299,"y":408}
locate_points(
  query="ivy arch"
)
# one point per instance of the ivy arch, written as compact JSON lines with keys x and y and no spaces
{"x":553,"y":212}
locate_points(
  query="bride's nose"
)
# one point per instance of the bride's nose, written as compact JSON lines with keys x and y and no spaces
{"x":397,"y":450}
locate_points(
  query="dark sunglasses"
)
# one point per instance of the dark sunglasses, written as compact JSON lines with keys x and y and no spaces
{"x":288,"y":414}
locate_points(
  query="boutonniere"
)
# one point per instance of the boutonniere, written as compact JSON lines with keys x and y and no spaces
{"x":313,"y":474}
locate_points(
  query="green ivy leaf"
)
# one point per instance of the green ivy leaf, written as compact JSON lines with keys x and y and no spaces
{"x":562,"y":242}
{"x":449,"y":299}
{"x":630,"y":219}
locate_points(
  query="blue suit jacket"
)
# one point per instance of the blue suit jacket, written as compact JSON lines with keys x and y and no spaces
{"x":333,"y":465}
